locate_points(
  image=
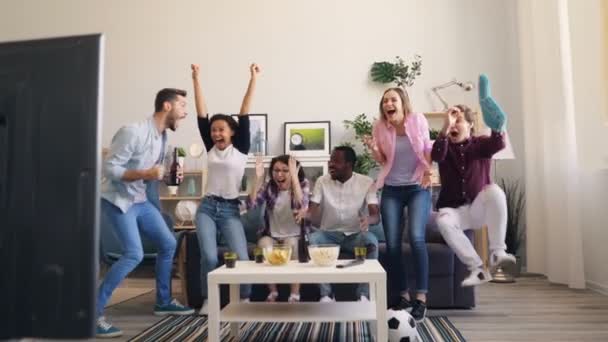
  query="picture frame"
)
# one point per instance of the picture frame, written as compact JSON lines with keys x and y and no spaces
{"x":314,"y":170}
{"x":307,"y":138}
{"x":258,"y":130}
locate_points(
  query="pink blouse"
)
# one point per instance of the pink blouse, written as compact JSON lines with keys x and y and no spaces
{"x":417,"y":130}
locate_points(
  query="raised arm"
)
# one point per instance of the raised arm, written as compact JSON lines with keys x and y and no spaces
{"x":440,"y":147}
{"x":199,"y":99}
{"x":257,"y":196}
{"x":294,"y":169}
{"x":242,"y":138}
{"x":202,"y":114}
{"x":255,"y":70}
{"x":486,"y":146}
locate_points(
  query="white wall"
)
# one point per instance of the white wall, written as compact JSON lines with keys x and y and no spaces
{"x":315,"y":54}
{"x":588,"y":37}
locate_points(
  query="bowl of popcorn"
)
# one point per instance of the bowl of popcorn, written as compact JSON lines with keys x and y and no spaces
{"x":324,"y":255}
{"x":277,"y":255}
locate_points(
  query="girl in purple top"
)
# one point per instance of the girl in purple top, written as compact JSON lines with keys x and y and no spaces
{"x":468,"y":199}
{"x":286,"y":196}
{"x":401,"y":144}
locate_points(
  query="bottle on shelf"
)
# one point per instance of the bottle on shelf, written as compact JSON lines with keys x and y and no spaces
{"x":173,"y":179}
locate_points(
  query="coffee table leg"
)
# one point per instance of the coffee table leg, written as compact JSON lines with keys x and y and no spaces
{"x":382,"y":325}
{"x":372,"y":297}
{"x":214,"y":311}
{"x":235,"y":297}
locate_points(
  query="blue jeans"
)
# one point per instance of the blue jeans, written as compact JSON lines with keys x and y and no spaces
{"x":215,"y":216}
{"x":418,"y":202}
{"x":347,"y":243}
{"x":144,"y":218}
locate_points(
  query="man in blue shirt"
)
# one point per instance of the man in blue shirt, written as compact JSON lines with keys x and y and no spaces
{"x":136,"y":156}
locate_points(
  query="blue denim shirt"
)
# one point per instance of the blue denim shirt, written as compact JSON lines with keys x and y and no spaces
{"x":136,"y":146}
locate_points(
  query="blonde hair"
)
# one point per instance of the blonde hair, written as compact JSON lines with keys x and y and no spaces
{"x":405,"y":100}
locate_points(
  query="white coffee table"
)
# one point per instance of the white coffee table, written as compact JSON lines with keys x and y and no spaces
{"x":248,"y":272}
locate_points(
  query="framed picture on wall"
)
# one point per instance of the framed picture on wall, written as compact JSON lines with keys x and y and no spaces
{"x":312,"y":138}
{"x":258,"y":130}
{"x":313,"y":170}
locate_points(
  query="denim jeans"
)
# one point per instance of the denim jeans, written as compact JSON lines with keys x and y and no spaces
{"x":418,"y":202}
{"x":144,"y":218}
{"x":215,"y":216}
{"x":347,"y":243}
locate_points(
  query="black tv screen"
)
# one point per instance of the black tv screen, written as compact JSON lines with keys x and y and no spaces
{"x":50,"y":96}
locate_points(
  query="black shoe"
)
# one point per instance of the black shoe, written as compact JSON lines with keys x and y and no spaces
{"x":418,"y":311}
{"x":403,"y":304}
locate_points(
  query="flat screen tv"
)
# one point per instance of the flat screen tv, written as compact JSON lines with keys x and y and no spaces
{"x":50,"y":100}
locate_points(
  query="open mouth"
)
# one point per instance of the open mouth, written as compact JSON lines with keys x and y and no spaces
{"x":454,"y":134}
{"x":391,"y":112}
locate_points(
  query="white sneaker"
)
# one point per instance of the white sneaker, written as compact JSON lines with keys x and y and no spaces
{"x":364,"y":299}
{"x":293,"y":298}
{"x":245,"y":300}
{"x":272,"y":297}
{"x":501,"y":258}
{"x":326,"y":299}
{"x":477,"y":277}
{"x":204,"y":311}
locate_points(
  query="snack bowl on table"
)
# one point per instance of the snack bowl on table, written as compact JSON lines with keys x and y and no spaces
{"x":324,"y":255}
{"x":277,"y":255}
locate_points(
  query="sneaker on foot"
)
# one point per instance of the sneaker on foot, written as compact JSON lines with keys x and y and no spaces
{"x":103,"y":329}
{"x":293,"y":298}
{"x":326,"y":299}
{"x":418,"y":311}
{"x":245,"y":300}
{"x":173,"y":308}
{"x":477,"y":277}
{"x":501,"y":259}
{"x":204,"y":311}
{"x":272,"y":297}
{"x":363,"y":298}
{"x":403,"y":304}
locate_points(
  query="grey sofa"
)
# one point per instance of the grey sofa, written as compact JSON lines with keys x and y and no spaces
{"x":446,"y":272}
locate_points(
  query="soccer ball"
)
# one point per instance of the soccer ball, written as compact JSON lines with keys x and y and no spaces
{"x":401,"y":327}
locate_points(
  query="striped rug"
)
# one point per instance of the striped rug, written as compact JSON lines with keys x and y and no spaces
{"x":194,"y":328}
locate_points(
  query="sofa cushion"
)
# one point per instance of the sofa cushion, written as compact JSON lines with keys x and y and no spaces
{"x":441,"y":258}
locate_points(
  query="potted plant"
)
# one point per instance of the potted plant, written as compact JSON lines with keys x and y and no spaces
{"x":362,"y":127}
{"x":398,"y":72}
{"x":516,"y":220}
{"x":181,"y":156}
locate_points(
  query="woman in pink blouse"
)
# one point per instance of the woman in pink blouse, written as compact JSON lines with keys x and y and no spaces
{"x":401,"y":144}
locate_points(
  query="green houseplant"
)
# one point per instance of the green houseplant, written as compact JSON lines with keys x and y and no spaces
{"x":398,"y":72}
{"x":362,"y":126}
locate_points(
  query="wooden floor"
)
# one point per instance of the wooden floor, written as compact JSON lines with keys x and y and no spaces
{"x":530,"y":310}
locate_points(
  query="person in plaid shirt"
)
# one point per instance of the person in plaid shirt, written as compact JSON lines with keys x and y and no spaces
{"x":286,"y":196}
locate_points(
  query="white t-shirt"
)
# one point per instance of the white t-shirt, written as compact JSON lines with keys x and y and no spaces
{"x":341,"y":202}
{"x":281,"y":220}
{"x":226,"y":169}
